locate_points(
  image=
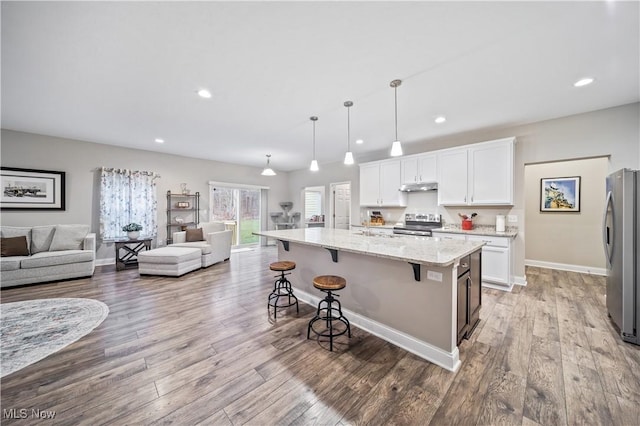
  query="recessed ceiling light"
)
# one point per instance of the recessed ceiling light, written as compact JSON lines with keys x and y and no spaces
{"x":159,"y":140}
{"x":583,"y":82}
{"x":440,"y":119}
{"x":359,"y":141}
{"x":204,"y":93}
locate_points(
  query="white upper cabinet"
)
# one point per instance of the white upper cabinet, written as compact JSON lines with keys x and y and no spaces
{"x":472,"y":175}
{"x":452,"y":177}
{"x":419,"y":168}
{"x":380,"y":184}
{"x":369,"y":184}
{"x":479,"y":174}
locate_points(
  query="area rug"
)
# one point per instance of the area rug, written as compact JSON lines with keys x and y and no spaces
{"x":34,"y":329}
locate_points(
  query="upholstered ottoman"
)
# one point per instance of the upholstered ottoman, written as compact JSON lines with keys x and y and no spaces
{"x":171,"y":261}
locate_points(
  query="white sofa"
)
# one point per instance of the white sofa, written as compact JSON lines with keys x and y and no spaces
{"x":54,"y":252}
{"x":216,"y":246}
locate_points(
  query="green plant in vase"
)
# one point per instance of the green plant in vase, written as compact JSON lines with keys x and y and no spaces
{"x":133,"y":230}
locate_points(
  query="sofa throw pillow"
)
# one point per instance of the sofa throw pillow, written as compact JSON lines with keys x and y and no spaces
{"x":14,"y":246}
{"x":41,"y":237}
{"x":69,"y":237}
{"x":17,"y":231}
{"x":194,"y":235}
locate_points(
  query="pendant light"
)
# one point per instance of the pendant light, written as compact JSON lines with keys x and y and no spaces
{"x":348,"y":157}
{"x":396,"y":147}
{"x":268,"y":171}
{"x":314,"y":163}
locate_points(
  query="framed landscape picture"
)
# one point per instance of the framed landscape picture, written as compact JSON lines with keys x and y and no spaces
{"x":28,"y":189}
{"x":560,"y":194}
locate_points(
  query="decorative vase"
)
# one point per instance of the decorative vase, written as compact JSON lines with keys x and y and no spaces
{"x":133,"y":235}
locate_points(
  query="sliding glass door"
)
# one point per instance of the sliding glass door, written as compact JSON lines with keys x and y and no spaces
{"x":239,"y":209}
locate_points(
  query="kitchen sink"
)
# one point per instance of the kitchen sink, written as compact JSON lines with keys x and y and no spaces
{"x":373,"y":234}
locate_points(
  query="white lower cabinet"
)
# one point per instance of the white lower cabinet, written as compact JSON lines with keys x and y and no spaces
{"x":495,"y":265}
{"x":496,"y":258}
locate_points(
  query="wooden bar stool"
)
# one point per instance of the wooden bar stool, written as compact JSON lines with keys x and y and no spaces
{"x":332,"y":311}
{"x":282,"y":287}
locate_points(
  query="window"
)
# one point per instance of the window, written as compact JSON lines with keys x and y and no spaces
{"x":312,"y":204}
{"x":127,"y":196}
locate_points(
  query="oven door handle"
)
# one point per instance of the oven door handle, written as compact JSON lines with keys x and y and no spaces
{"x":408,"y":232}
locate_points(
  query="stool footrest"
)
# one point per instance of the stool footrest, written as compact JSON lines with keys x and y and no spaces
{"x":331,"y":334}
{"x":330,"y":313}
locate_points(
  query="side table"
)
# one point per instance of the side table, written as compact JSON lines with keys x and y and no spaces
{"x":127,"y":255}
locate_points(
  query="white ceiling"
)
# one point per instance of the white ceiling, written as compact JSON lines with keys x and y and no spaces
{"x":125,"y":73}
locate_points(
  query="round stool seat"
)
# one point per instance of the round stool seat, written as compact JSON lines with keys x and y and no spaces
{"x":329,"y":282}
{"x":283,"y":265}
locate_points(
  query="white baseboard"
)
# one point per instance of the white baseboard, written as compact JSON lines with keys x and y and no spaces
{"x":515,"y":280}
{"x":447,"y":360}
{"x":105,"y":262}
{"x":566,"y":267}
{"x":497,"y":286}
{"x":520,"y":280}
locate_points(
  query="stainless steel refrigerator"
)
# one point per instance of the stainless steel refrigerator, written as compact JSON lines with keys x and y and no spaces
{"x":621,"y":236}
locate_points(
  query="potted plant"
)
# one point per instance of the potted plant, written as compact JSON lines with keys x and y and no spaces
{"x":133,"y":230}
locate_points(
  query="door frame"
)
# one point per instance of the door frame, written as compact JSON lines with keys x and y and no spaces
{"x":264,"y":216}
{"x":332,"y":207}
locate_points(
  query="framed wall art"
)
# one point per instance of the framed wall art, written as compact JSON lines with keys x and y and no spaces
{"x":28,"y":189}
{"x":561,"y":194}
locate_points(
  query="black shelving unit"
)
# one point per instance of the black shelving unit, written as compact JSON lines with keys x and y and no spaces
{"x":185,"y":206}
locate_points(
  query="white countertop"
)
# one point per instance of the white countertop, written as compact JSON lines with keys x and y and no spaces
{"x":423,"y":250}
{"x":488,"y":230}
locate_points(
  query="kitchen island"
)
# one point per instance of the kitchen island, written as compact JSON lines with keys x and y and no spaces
{"x":400,"y":288}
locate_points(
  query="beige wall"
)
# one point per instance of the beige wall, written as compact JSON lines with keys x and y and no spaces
{"x":81,"y":160}
{"x":566,"y":240}
{"x":328,"y":174}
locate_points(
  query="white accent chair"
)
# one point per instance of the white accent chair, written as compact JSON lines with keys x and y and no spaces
{"x":216,"y":246}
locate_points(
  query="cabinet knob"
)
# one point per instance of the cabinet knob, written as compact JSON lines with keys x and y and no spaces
{"x":464,"y":265}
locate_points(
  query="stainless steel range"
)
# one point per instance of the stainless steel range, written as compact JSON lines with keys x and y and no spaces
{"x":419,"y":224}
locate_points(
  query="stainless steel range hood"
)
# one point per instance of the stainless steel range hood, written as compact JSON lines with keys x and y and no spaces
{"x":419,"y":187}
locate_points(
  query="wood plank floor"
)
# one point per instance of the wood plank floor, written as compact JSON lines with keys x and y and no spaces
{"x":202,"y":349}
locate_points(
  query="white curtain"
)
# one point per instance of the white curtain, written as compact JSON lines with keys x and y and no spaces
{"x":127,"y":196}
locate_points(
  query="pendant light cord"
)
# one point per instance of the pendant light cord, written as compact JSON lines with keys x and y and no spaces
{"x":395,"y":95}
{"x":348,"y":129}
{"x":314,"y":139}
